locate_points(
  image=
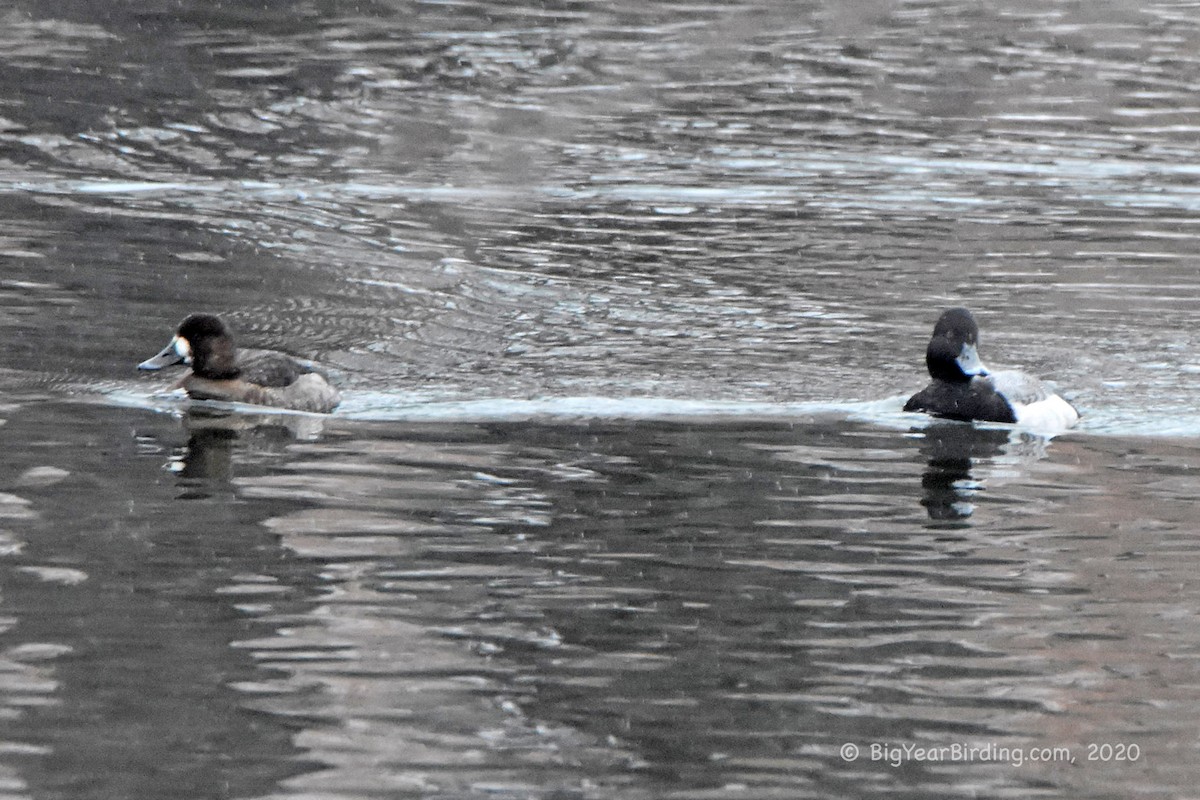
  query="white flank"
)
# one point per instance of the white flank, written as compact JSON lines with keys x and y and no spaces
{"x":1051,"y":415}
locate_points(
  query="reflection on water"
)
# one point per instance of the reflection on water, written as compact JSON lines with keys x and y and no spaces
{"x":953,"y":451}
{"x":600,"y":609}
{"x":623,"y":297}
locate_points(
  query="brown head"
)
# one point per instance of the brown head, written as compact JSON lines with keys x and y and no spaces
{"x":204,"y":342}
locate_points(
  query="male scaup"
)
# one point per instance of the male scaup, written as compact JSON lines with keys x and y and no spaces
{"x":964,"y":389}
{"x":259,"y":377}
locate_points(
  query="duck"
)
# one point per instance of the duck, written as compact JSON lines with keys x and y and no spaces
{"x":219,"y":371}
{"x":964,"y":389}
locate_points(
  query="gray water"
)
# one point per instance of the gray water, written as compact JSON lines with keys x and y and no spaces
{"x":624,"y":300}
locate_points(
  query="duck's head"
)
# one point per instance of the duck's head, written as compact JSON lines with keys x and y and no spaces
{"x":951,"y":355}
{"x":202,"y":341}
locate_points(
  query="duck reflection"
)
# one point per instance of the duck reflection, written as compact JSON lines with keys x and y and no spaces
{"x":951,"y":449}
{"x":208,"y":456}
{"x":205,"y":463}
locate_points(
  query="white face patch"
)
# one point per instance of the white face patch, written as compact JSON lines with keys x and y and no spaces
{"x":182,"y":349}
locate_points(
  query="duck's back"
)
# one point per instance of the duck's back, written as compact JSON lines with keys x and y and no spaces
{"x":1020,"y":387}
{"x":271,"y":368}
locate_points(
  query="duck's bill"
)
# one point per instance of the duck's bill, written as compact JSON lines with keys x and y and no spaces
{"x":969,"y":363}
{"x":176,"y":352}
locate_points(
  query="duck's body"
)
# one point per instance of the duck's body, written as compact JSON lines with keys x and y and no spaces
{"x":259,"y":377}
{"x":963,"y":389}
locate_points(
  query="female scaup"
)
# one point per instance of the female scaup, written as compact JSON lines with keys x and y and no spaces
{"x":259,"y":377}
{"x":964,"y":389}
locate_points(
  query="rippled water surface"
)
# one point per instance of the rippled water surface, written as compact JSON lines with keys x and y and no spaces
{"x":624,"y":299}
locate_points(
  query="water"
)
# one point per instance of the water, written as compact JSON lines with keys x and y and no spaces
{"x":624,"y":299}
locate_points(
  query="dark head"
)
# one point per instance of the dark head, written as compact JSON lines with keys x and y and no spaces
{"x":202,"y":341}
{"x":951,"y":354}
